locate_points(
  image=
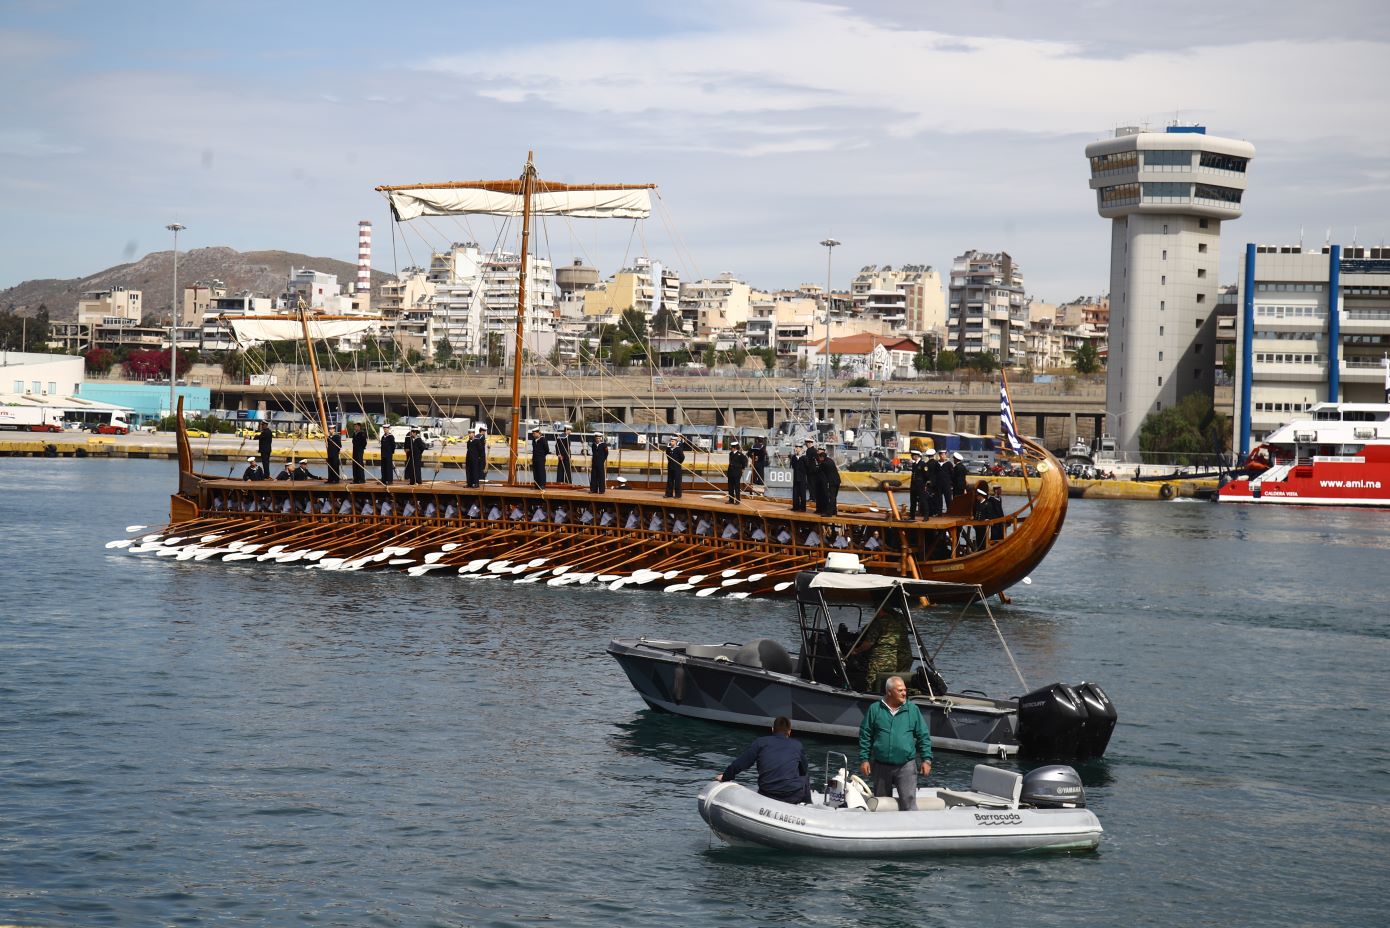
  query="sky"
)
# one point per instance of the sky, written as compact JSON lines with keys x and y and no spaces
{"x":909,"y":130}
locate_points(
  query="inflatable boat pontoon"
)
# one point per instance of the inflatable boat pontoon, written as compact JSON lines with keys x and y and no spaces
{"x":1002,"y":812}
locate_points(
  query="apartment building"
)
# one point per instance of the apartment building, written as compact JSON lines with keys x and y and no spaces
{"x":987,"y":310}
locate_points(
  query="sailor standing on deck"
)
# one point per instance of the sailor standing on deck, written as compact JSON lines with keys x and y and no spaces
{"x":540,"y":448}
{"x":675,"y":457}
{"x":830,"y":483}
{"x":475,"y":456}
{"x":265,"y":441}
{"x":408,"y":446}
{"x":943,"y":482}
{"x":757,"y":459}
{"x":359,"y":454}
{"x":564,"y":472}
{"x":417,"y":457}
{"x":598,"y":473}
{"x":798,"y":466}
{"x":335,"y":457}
{"x":737,"y":462}
{"x":388,"y":456}
{"x":918,"y":496}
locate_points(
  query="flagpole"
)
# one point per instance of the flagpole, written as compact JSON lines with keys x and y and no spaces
{"x":1009,"y":425}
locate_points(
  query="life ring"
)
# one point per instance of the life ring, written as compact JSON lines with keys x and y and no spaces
{"x":1166,"y":491}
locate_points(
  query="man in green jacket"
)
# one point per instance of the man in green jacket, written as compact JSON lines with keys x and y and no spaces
{"x":892,"y":737}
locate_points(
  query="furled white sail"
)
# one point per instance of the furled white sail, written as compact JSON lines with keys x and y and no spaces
{"x":458,"y":201}
{"x":253,"y":329}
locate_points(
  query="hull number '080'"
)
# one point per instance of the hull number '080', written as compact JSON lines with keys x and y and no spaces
{"x":781,"y":817}
{"x":998,"y":818}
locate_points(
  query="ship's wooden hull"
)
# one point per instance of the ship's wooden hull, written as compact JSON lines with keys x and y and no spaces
{"x":698,"y":542}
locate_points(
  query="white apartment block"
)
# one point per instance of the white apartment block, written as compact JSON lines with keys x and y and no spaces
{"x":1166,"y":194}
{"x":707,"y":306}
{"x":1311,"y":326}
{"x":987,"y":310}
{"x":634,"y":288}
{"x":908,"y":299}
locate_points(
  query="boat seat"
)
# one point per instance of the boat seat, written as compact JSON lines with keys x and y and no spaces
{"x":990,"y":788}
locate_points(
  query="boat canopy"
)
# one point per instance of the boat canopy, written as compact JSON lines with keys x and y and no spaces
{"x":413,"y":202}
{"x":827,"y":581}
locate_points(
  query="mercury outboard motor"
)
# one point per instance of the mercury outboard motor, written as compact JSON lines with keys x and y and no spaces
{"x":1054,"y":787}
{"x":1100,"y":719}
{"x":1052,"y":722}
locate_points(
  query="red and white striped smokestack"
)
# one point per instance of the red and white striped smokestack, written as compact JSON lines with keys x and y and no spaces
{"x":364,"y":256}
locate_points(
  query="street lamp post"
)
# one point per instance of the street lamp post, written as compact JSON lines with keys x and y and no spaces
{"x":829,"y":244}
{"x":175,"y":228}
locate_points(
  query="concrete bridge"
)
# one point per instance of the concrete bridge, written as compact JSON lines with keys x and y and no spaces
{"x":1057,"y":412}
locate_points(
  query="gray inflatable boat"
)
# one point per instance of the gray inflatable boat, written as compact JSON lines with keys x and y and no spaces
{"x":1002,"y":812}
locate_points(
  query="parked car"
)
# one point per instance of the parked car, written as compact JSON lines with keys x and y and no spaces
{"x":107,"y":428}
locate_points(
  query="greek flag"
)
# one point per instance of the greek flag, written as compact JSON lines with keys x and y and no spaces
{"x":1006,"y":418}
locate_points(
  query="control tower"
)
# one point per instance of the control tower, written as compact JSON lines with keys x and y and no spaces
{"x":1166,"y":195}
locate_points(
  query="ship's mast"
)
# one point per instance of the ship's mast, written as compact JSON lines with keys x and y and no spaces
{"x":314,"y":372}
{"x":528,"y":181}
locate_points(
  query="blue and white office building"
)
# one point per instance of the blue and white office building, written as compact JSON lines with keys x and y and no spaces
{"x":1166,"y":195}
{"x":1312,"y":326}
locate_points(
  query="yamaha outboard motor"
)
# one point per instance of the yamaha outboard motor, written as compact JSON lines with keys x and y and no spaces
{"x":1054,"y":787}
{"x":765,"y":653}
{"x":1100,"y":719}
{"x":1052,"y":722}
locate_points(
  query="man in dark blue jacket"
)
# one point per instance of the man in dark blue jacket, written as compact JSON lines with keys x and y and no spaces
{"x":781,"y":760}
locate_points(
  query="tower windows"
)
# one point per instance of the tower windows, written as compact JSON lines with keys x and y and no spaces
{"x":1202,"y":246}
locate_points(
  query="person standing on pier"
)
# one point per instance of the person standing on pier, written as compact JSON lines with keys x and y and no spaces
{"x":564,"y":470}
{"x":675,"y":458}
{"x":798,"y":466}
{"x":359,"y":454}
{"x":265,"y":442}
{"x":388,"y":455}
{"x":540,"y":448}
{"x":737,"y":462}
{"x":335,"y":457}
{"x":598,"y":473}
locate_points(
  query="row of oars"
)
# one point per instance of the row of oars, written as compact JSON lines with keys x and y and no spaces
{"x":482,"y":552}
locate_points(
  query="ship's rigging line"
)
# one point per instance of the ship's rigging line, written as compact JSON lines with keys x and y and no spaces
{"x":647,"y":401}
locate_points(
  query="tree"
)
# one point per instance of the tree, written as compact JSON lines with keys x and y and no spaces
{"x":496,"y":351}
{"x":443,"y":351}
{"x":769,"y":357}
{"x":664,"y":322}
{"x":835,"y":362}
{"x":986,"y":362}
{"x":711,"y":356}
{"x":1086,"y":360}
{"x":947,"y":361}
{"x":923,"y":361}
{"x":1228,"y":361}
{"x":147,"y":364}
{"x":1185,"y":433}
{"x":100,"y":360}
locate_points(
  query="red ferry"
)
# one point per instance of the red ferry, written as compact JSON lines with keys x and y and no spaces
{"x":1338,"y":456}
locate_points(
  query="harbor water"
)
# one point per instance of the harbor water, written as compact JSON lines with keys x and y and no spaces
{"x":187,"y":743}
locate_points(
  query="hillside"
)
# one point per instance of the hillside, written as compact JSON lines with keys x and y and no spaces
{"x":261,"y":272}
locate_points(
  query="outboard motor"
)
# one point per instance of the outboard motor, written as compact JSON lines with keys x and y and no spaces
{"x":1052,"y":722}
{"x":1100,"y":719}
{"x":1053,"y":787}
{"x":765,"y":653}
